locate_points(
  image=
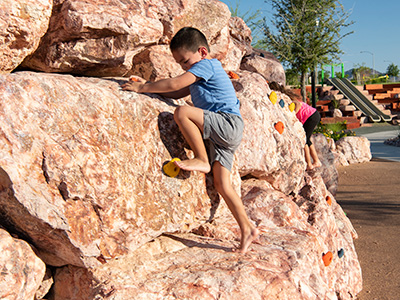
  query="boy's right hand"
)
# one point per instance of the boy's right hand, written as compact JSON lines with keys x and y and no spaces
{"x":134,"y":84}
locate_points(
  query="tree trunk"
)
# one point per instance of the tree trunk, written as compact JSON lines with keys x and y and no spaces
{"x":303,"y":86}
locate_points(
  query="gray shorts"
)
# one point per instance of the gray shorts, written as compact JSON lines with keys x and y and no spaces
{"x":222,"y":134}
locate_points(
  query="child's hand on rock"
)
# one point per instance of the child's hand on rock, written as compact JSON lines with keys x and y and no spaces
{"x":134,"y":84}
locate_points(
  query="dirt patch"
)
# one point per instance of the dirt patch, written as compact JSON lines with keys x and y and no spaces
{"x":370,"y":195}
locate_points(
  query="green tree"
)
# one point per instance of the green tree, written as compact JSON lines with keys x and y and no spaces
{"x":305,"y":33}
{"x":392,"y":70}
{"x":361,"y":73}
{"x":292,"y":77}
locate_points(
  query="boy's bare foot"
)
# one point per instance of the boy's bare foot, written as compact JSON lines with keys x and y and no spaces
{"x":194,"y":164}
{"x":317,"y":164}
{"x":309,"y":167}
{"x":247,"y":240}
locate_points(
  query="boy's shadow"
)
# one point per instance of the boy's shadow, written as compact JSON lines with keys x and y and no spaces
{"x":190,"y":243}
{"x":175,"y":143}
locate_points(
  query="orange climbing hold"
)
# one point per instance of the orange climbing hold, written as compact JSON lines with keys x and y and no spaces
{"x":279,"y":127}
{"x":327,"y":258}
{"x":328,"y":200}
{"x":273,"y":97}
{"x":171,"y":169}
{"x":134,"y":79}
{"x":233,"y":75}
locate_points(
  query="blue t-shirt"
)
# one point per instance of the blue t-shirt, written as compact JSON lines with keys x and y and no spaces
{"x":214,"y":91}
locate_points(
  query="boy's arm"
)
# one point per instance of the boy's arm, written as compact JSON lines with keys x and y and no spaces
{"x":171,"y":87}
{"x":177,"y":94}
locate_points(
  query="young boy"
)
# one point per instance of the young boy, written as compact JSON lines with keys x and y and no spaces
{"x":215,"y":117}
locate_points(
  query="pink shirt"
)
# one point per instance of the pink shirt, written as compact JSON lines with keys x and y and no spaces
{"x":305,"y":112}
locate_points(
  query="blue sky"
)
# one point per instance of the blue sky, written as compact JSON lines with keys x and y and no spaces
{"x":376,"y":31}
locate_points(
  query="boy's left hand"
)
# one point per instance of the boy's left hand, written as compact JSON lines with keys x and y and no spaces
{"x":134,"y":84}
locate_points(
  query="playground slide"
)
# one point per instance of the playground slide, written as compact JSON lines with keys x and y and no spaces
{"x":359,"y":100}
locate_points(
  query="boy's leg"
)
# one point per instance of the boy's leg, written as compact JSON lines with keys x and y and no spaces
{"x":222,"y":183}
{"x":191,"y":123}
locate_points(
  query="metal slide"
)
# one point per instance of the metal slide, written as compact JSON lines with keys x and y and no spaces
{"x":359,"y":100}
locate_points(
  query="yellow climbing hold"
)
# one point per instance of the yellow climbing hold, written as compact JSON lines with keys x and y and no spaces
{"x":292,"y":106}
{"x":273,"y":97}
{"x":171,"y":169}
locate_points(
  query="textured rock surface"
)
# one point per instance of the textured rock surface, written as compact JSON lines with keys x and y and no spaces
{"x":120,"y":38}
{"x":22,"y":24}
{"x":101,"y":38}
{"x":21,"y":270}
{"x":286,"y":263}
{"x":355,"y":149}
{"x":266,"y":64}
{"x":81,"y":166}
{"x":81,"y":170}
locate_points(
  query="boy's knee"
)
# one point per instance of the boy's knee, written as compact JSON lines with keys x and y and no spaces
{"x":179,"y":113}
{"x":220,"y":185}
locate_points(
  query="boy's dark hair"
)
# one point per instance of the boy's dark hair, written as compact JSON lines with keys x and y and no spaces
{"x":190,"y":39}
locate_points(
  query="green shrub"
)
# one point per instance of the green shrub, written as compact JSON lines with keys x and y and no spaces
{"x":334,"y":131}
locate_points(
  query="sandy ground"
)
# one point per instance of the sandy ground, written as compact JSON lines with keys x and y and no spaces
{"x":370,"y":195}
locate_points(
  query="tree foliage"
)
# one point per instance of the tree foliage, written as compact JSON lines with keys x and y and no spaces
{"x":305,"y":33}
{"x":392,"y":70}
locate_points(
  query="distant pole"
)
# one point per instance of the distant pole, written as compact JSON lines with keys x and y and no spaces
{"x":313,"y":98}
{"x":342,"y":70}
{"x":373,"y":60}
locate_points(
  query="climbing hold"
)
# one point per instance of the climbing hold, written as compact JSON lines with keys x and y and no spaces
{"x":273,"y":97}
{"x":328,"y":200}
{"x":340,"y":253}
{"x":327,"y":258}
{"x":292,"y":106}
{"x":279,"y":127}
{"x":233,"y":75}
{"x":134,"y":79}
{"x":282,"y":103}
{"x":171,"y":169}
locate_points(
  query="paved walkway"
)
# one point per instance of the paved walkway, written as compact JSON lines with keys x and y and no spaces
{"x":369,"y":193}
{"x":377,"y":134}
